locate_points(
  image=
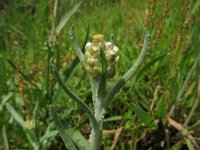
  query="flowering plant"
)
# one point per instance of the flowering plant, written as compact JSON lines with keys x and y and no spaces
{"x":99,"y":61}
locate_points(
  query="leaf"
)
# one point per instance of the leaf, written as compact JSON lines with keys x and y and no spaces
{"x":77,"y":99}
{"x":79,"y":139}
{"x":103,"y":61}
{"x":131,"y":72}
{"x":5,"y":139}
{"x":141,"y":114}
{"x":194,"y":126}
{"x":6,"y":98}
{"x":15,"y":115}
{"x":66,"y":17}
{"x":48,"y":135}
{"x":64,"y":135}
{"x":76,"y":46}
{"x":161,"y":108}
{"x":113,"y":118}
{"x":189,"y":144}
{"x":75,"y":62}
{"x":35,"y":111}
{"x":104,"y":66}
{"x":29,"y":133}
{"x":141,"y":73}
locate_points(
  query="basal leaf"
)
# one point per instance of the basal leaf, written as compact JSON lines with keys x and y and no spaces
{"x":59,"y":126}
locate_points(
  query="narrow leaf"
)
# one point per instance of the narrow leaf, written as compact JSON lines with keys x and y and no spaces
{"x":104,"y":66}
{"x":103,"y":61}
{"x":64,"y":135}
{"x":76,"y":46}
{"x":194,"y":126}
{"x":189,"y":144}
{"x":15,"y":115}
{"x":79,"y":139}
{"x":5,"y":139}
{"x":75,"y":62}
{"x":50,"y":134}
{"x":127,"y":76}
{"x":141,"y":73}
{"x":113,"y":118}
{"x":66,"y":17}
{"x":161,"y":109}
{"x":131,"y":72}
{"x":141,"y":114}
{"x":77,"y":99}
{"x":6,"y":98}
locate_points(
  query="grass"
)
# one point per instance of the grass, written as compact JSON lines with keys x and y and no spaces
{"x":166,"y":87}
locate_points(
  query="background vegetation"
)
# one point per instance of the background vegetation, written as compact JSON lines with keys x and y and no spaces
{"x":158,"y":109}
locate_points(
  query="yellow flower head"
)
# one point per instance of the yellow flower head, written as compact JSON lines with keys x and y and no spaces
{"x":98,"y":38}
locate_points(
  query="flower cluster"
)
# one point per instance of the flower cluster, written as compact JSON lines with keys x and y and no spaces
{"x":92,"y":59}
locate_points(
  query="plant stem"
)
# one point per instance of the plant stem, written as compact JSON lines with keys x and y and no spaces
{"x":98,"y":96}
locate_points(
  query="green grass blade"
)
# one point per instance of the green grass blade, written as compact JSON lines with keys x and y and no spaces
{"x":15,"y":115}
{"x":5,"y":139}
{"x":141,"y":73}
{"x":64,"y":135}
{"x":194,"y":126}
{"x":50,"y":134}
{"x":189,"y":144}
{"x":66,"y":17}
{"x":161,"y":109}
{"x":141,"y":114}
{"x":29,"y":133}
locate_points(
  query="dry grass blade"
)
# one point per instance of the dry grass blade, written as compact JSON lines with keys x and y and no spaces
{"x":116,"y":138}
{"x":107,"y":133}
{"x":184,"y":131}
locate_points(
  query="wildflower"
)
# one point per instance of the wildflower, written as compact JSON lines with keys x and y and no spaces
{"x":93,"y":65}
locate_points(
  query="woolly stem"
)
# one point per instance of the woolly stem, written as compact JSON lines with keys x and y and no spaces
{"x":97,"y":94}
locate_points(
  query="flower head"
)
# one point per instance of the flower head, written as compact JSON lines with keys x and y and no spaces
{"x":92,"y":59}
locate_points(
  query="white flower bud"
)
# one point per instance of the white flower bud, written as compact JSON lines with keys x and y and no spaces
{"x":108,"y":45}
{"x":92,"y":61}
{"x":115,"y":49}
{"x":88,"y":46}
{"x":96,"y":49}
